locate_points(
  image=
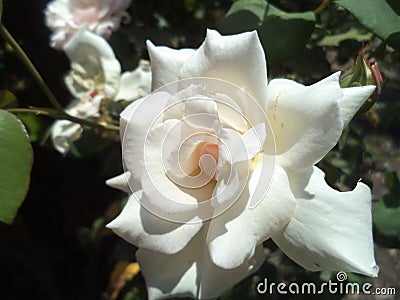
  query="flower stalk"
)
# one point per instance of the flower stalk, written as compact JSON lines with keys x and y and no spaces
{"x":31,"y":68}
{"x":53,"y":113}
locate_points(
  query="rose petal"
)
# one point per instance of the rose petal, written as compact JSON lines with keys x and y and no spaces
{"x":235,"y":147}
{"x":330,"y":230}
{"x":56,"y":14}
{"x":238,"y":59}
{"x":63,"y":133}
{"x":229,"y":184}
{"x":166,"y":64}
{"x":120,"y":182}
{"x":86,"y":15}
{"x":135,"y":84}
{"x":191,"y":272}
{"x":136,"y":120}
{"x":140,"y":227}
{"x":230,"y":113}
{"x":201,"y":112}
{"x":352,"y":100}
{"x":157,"y":185}
{"x":305,"y":121}
{"x":233,"y":235}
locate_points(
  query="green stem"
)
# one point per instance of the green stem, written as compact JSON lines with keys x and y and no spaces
{"x":29,"y":65}
{"x":35,"y":110}
{"x":1,"y":9}
{"x":57,"y":115}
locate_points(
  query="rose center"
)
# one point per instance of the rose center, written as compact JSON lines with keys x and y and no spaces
{"x":206,"y":154}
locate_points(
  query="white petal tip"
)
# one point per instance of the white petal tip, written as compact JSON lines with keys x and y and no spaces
{"x":149,"y":45}
{"x":375,"y":271}
{"x":212,"y":31}
{"x":111,"y":225}
{"x":120,"y":182}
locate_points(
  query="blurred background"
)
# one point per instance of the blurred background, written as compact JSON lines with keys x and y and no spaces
{"x":58,"y":247}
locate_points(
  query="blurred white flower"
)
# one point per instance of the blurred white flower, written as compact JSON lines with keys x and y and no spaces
{"x":95,"y":76}
{"x":65,"y":17}
{"x":181,"y":132}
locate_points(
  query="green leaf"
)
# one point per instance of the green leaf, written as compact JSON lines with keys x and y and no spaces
{"x":294,"y":28}
{"x":376,"y":15}
{"x":294,"y":31}
{"x":255,"y":7}
{"x":16,"y":159}
{"x":35,"y":125}
{"x":387,"y":219}
{"x":387,"y":211}
{"x":7,"y":98}
{"x":336,"y":39}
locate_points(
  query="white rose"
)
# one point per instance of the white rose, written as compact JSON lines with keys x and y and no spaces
{"x":95,"y":76}
{"x":217,"y":161}
{"x":65,"y":17}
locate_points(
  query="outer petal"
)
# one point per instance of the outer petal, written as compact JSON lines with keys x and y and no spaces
{"x":63,"y":133}
{"x":233,"y":236}
{"x":305,"y":120}
{"x":238,"y":59}
{"x":136,"y":120}
{"x":145,"y":230}
{"x":352,"y":100}
{"x":191,"y":272}
{"x":56,"y":14}
{"x":166,"y":64}
{"x":120,"y":182}
{"x":135,"y":84}
{"x":330,"y":230}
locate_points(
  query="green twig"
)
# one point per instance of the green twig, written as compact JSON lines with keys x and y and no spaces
{"x":29,"y":65}
{"x":35,"y":110}
{"x":50,"y":112}
{"x":1,"y":9}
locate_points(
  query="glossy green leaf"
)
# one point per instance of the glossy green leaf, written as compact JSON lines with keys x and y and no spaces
{"x":376,"y":15}
{"x":387,"y":211}
{"x":336,"y":39}
{"x":35,"y":125}
{"x":294,"y":28}
{"x":255,"y":7}
{"x":387,"y":219}
{"x":16,"y":159}
{"x":7,"y":99}
{"x":294,"y":31}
